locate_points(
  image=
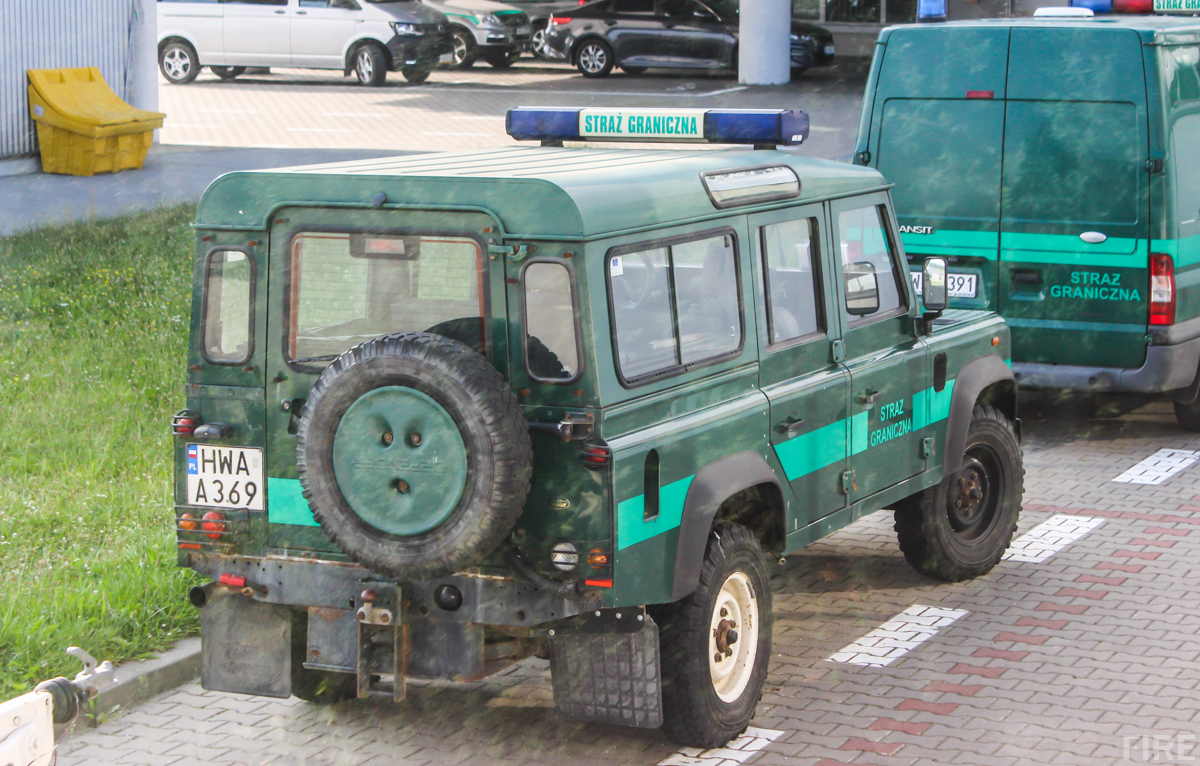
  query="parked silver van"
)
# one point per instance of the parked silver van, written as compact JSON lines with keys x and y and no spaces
{"x":486,"y":29}
{"x":368,"y":38}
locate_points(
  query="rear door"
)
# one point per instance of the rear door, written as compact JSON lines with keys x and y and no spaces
{"x":886,"y":361}
{"x":1075,"y":205}
{"x":258,"y":32}
{"x":808,"y":391}
{"x":692,"y":34}
{"x":633,"y":29}
{"x":321,"y":30}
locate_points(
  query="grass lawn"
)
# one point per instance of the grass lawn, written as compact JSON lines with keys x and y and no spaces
{"x":93,"y":339}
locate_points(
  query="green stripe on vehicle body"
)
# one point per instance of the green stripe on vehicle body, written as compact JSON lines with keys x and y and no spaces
{"x":286,"y":503}
{"x":1057,"y":249}
{"x":632,"y":525}
{"x":1185,"y":251}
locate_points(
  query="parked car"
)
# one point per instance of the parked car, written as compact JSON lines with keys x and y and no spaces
{"x":540,"y":12}
{"x":495,"y":32}
{"x":368,"y":38}
{"x":638,"y":34}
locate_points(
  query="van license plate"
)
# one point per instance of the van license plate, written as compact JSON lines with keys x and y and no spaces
{"x":524,"y":30}
{"x":445,"y":58}
{"x":224,"y":477}
{"x":961,"y":285}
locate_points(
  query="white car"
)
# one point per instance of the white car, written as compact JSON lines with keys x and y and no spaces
{"x":366,"y":37}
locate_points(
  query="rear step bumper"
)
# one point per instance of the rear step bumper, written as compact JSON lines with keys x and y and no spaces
{"x":1167,"y":368}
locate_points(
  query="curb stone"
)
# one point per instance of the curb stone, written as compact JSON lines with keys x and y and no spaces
{"x":139,"y":681}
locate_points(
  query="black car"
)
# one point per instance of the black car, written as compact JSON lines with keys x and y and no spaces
{"x":638,"y":34}
{"x":540,"y":12}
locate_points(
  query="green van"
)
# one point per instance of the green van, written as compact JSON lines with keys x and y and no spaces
{"x":1056,"y":163}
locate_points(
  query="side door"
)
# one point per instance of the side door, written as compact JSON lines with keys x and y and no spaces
{"x":341,"y":277}
{"x":886,"y":361}
{"x":633,"y":29}
{"x":1075,"y":201}
{"x":197,"y":20}
{"x":258,"y":32}
{"x":807,"y":390}
{"x":321,"y":31}
{"x":692,"y":34}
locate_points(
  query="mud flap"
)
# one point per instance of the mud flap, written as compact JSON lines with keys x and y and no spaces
{"x":608,"y":676}
{"x":246,"y":647}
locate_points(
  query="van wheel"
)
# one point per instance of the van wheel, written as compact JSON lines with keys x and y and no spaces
{"x":1188,"y":415}
{"x":961,"y":527}
{"x":414,"y":455}
{"x":370,"y":65}
{"x":178,"y":63}
{"x":415,"y":75}
{"x":228,"y":72}
{"x":322,"y":687}
{"x":716,"y":643}
{"x":594,"y":58}
{"x":462,"y":49}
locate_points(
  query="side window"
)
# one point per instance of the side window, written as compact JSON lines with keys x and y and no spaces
{"x":633,"y":6}
{"x":226,"y":335}
{"x":551,"y":337}
{"x":793,"y":302}
{"x":867,"y":249}
{"x":675,"y":305}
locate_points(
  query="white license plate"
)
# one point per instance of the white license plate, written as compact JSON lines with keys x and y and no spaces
{"x":445,"y":58}
{"x":828,"y":50}
{"x":524,"y":30}
{"x":960,"y":285}
{"x":225,"y":477}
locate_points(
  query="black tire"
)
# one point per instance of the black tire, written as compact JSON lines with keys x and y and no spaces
{"x":502,"y":59}
{"x":407,"y":385}
{"x":961,"y":527}
{"x":415,"y":75}
{"x":542,"y":362}
{"x":1188,"y":415}
{"x":228,"y":72}
{"x":370,"y":65}
{"x":178,"y":62}
{"x":694,"y":712}
{"x":462,"y":49}
{"x":594,"y":58}
{"x":634,"y":69}
{"x":322,"y":687}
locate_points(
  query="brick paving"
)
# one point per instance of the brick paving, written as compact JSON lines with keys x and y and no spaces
{"x":1090,"y":656}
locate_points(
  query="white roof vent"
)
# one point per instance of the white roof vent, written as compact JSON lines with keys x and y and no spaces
{"x":1059,"y":12}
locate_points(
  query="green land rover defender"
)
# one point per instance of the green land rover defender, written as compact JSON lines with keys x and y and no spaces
{"x":445,"y":412}
{"x":1055,"y":162}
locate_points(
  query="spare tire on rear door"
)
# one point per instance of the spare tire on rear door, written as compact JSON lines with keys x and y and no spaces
{"x":414,"y":455}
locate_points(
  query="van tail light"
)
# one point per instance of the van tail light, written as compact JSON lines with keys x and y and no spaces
{"x":596,"y":456}
{"x":1162,"y":289}
{"x":558,"y":21}
{"x":185,"y":422}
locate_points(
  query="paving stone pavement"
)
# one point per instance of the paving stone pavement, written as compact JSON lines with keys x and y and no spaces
{"x":1089,"y":657}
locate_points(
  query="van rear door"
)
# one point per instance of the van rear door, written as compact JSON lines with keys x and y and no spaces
{"x":1074,"y":203}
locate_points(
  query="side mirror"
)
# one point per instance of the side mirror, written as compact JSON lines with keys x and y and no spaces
{"x":862,"y":288}
{"x":933,"y":278}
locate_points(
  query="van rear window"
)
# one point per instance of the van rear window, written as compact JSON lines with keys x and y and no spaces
{"x":347,"y":288}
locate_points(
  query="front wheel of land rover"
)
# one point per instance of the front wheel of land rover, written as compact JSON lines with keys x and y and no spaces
{"x":960,"y":527}
{"x":414,"y":455}
{"x":716,"y":643}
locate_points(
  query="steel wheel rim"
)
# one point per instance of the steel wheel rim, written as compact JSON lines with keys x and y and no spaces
{"x":972,"y":500}
{"x":177,"y":63}
{"x":366,"y":66}
{"x":592,"y":58}
{"x":736,"y":609}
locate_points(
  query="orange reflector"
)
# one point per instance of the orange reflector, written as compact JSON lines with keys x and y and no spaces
{"x":190,"y":546}
{"x":597,"y":558}
{"x":996,"y":341}
{"x":598,"y":583}
{"x":188,"y":521}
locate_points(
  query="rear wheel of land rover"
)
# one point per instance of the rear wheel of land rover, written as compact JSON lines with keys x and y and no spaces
{"x":961,"y":527}
{"x":414,"y":455}
{"x":716,"y":643}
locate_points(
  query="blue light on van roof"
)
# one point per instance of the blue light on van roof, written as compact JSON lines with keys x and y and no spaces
{"x":779,"y":127}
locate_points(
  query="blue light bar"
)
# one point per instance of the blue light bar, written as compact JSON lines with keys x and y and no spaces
{"x":779,"y":127}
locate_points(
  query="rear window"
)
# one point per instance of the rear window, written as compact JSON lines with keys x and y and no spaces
{"x":551,"y":332}
{"x":347,"y":288}
{"x":228,"y":298}
{"x":675,"y":305}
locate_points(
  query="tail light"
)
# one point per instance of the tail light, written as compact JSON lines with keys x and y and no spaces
{"x":213,"y":525}
{"x":597,"y":558}
{"x":1162,"y":289}
{"x":560,"y":20}
{"x":185,"y":422}
{"x":596,"y":456}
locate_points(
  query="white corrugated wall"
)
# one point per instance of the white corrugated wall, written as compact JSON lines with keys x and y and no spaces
{"x":47,"y":34}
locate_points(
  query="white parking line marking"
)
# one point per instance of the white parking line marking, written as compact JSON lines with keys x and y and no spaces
{"x":898,"y":636}
{"x":1159,"y":467}
{"x":321,"y":130}
{"x":1050,"y":537}
{"x":231,"y":111}
{"x":738,"y":751}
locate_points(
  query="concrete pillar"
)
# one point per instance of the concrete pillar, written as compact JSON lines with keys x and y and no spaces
{"x":143,"y":62}
{"x":764,"y":42}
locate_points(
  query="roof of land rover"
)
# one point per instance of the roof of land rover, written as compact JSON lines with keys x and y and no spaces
{"x":1153,"y":29}
{"x":533,"y":191}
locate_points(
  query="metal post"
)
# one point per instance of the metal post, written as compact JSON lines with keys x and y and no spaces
{"x":143,"y":60}
{"x":765,"y":42}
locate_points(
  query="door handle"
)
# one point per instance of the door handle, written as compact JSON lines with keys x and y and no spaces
{"x":790,"y":426}
{"x":299,"y":13}
{"x":1093,"y":237}
{"x":870,"y":396}
{"x":280,"y":12}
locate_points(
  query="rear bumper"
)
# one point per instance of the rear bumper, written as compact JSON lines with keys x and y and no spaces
{"x":1167,"y":368}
